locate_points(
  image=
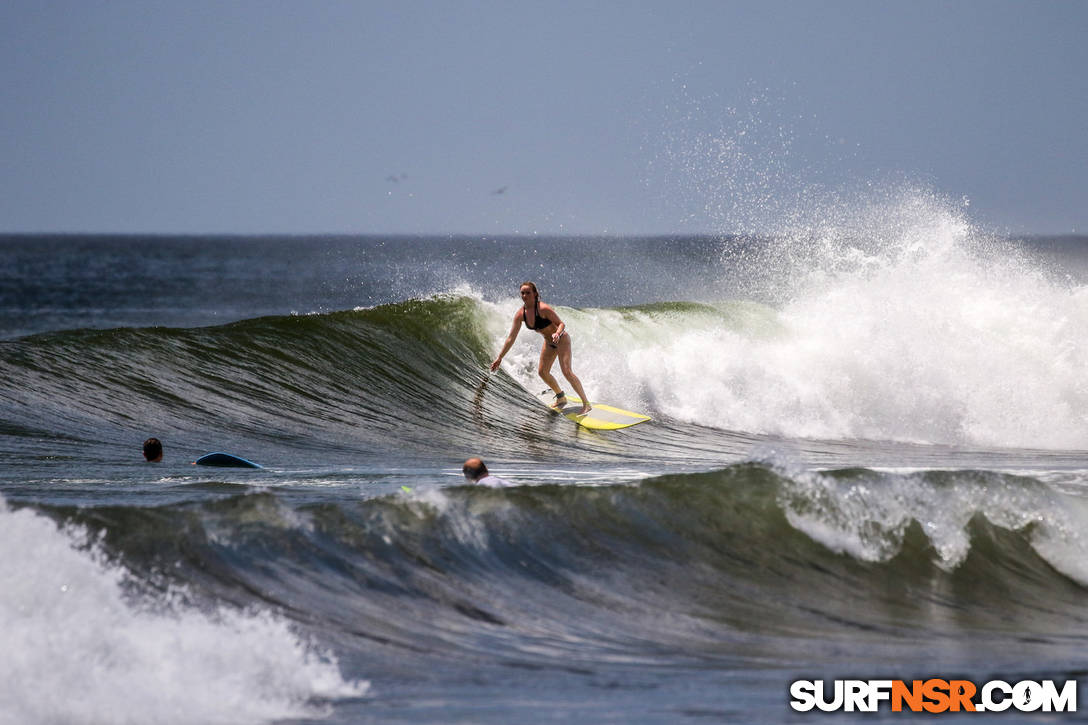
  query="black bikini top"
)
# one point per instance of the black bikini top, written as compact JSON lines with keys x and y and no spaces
{"x":540,"y":323}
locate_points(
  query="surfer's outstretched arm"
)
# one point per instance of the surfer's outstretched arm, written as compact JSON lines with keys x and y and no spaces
{"x":514,"y":329}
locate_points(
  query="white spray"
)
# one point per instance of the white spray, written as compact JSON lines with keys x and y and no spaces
{"x":66,"y":627}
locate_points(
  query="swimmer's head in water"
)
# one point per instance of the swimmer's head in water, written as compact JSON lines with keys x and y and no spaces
{"x":153,"y":450}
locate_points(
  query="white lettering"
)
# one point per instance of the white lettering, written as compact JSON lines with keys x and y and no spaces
{"x":1065,"y":701}
{"x":821,"y":699}
{"x":803,"y":693}
{"x":856,"y":695}
{"x":879,"y":690}
{"x":991,"y":705}
{"x":1027,"y":696}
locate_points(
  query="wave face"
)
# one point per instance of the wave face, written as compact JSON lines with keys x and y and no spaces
{"x":306,"y":381}
{"x":753,"y":564}
{"x":997,"y":366}
{"x":890,"y":318}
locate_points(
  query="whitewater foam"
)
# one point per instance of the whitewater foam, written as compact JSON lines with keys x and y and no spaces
{"x":865,"y":515}
{"x":897,"y":322}
{"x":67,"y":626}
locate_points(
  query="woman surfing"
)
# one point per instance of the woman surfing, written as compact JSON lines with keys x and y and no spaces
{"x":543,"y":318}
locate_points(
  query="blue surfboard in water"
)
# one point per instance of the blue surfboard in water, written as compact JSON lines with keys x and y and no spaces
{"x":225,"y":460}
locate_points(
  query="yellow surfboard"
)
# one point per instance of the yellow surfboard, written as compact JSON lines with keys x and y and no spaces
{"x":601,"y":417}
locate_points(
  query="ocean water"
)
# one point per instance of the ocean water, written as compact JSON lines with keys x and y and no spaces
{"x":868,"y":458}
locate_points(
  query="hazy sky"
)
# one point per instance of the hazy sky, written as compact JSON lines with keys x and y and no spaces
{"x":589,"y":117}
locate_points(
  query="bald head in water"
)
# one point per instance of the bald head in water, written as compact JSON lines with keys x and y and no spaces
{"x":474,"y":469}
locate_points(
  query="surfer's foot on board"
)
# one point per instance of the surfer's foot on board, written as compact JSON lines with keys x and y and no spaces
{"x":560,"y":400}
{"x":585,"y":409}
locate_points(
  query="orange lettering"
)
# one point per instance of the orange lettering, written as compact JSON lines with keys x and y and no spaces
{"x":937,"y":692}
{"x":912,"y":695}
{"x":961,"y":692}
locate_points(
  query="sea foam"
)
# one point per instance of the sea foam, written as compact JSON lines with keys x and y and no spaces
{"x":897,"y":320}
{"x":79,"y":650}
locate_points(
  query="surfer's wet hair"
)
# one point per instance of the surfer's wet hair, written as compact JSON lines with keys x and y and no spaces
{"x":532,"y":286}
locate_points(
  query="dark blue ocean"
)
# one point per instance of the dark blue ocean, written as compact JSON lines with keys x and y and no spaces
{"x":868,"y":457}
